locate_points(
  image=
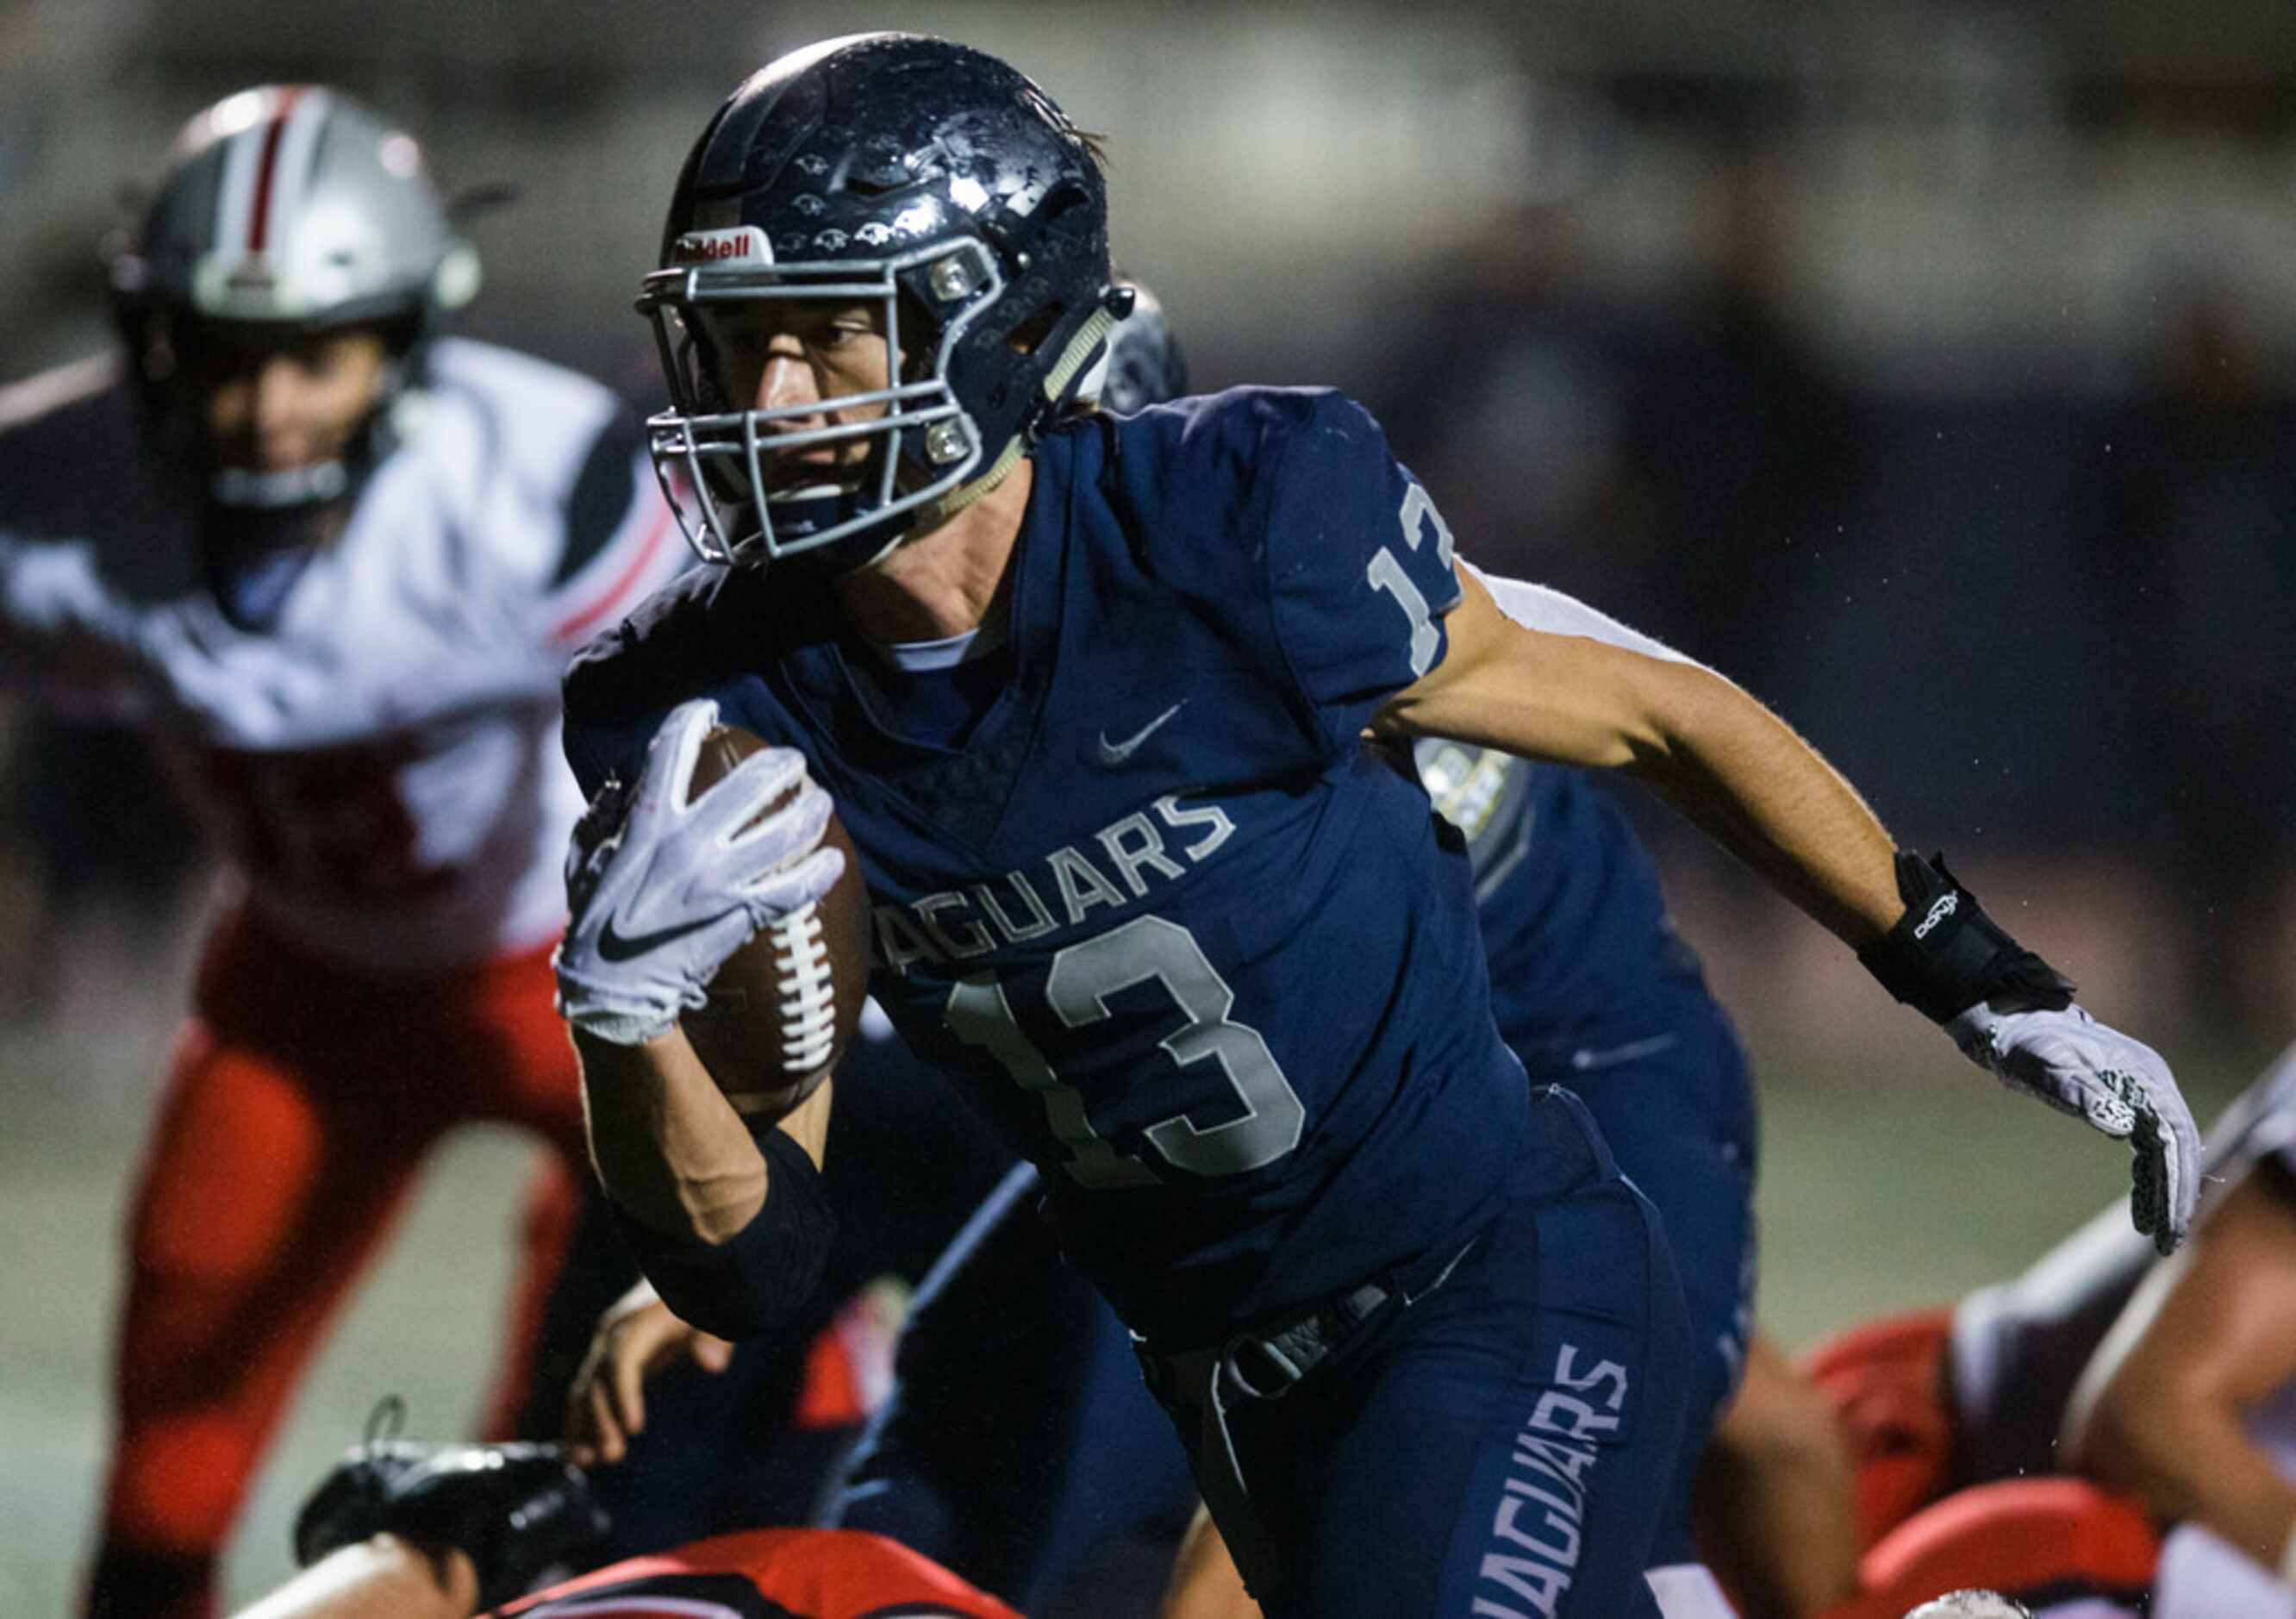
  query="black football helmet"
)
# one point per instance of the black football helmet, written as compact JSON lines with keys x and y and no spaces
{"x":521,"y":1513}
{"x":933,"y":182}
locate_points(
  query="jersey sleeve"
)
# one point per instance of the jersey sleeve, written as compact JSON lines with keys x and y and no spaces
{"x":605,"y":736}
{"x":1359,"y":567}
{"x":621,"y":542}
{"x":83,"y":537}
{"x":62,"y":644}
{"x":2260,"y":1124}
{"x":1549,"y":611}
{"x":625,"y":680}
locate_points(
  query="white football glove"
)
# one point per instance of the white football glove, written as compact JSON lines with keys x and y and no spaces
{"x":665,"y":886}
{"x":2077,"y":1065}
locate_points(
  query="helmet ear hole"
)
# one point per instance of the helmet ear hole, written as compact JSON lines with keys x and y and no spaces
{"x":154,"y":340}
{"x":1029,"y":335}
{"x":1063,"y":198}
{"x":456,"y":282}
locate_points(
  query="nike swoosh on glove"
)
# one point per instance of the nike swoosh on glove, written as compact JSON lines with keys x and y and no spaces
{"x":664,"y":887}
{"x":2120,"y":1086}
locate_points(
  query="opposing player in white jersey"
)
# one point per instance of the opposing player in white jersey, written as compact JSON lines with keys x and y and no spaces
{"x":2168,"y":1387}
{"x":332,"y":563}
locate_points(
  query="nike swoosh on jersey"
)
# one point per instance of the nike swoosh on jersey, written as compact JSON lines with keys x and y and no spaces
{"x":623,"y":947}
{"x":1586,"y":1057}
{"x":1116,"y":752}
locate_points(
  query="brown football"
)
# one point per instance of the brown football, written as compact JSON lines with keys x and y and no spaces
{"x":783,"y":1007}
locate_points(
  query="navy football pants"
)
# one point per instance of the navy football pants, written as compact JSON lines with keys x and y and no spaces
{"x":1010,"y":1475}
{"x":1668,"y":1084}
{"x":1504,"y":1446}
{"x":1020,"y":1448}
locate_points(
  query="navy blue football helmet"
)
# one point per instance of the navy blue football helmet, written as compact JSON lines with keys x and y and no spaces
{"x":940,"y":187}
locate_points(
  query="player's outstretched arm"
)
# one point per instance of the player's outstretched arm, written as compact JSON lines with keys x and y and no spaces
{"x":2162,"y":1408}
{"x":1724,"y":761}
{"x":1547,"y":677}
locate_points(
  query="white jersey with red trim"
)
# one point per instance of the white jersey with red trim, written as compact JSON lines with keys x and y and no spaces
{"x":2018,"y":1348}
{"x":381,"y":763}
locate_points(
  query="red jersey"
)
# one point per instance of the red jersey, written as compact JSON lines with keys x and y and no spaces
{"x":771,"y":1574}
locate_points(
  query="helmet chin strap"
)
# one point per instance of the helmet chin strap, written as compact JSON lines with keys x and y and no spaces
{"x":1093,"y":334}
{"x":932,"y":514}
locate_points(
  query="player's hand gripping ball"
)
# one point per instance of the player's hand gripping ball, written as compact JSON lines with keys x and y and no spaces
{"x":781,"y":1009}
{"x":671,"y":877}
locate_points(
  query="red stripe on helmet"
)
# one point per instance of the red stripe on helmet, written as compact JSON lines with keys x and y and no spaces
{"x":258,"y":227}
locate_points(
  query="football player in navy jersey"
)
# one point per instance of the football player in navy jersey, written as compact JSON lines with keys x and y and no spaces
{"x":1091,"y":697}
{"x":1015,"y":1441}
{"x":1019,"y":1438}
{"x":1020,"y":1447}
{"x":1024,"y":1449}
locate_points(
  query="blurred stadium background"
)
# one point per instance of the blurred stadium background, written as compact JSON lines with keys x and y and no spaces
{"x":1930,"y":366}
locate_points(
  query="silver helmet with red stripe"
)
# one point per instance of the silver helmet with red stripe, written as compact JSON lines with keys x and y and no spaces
{"x":288,"y":210}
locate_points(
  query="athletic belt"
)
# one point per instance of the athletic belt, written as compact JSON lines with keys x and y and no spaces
{"x":1268,"y":1365}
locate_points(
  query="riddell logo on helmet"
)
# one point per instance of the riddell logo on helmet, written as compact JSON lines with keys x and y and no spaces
{"x":743,"y":242}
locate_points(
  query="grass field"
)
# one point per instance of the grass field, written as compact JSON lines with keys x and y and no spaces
{"x":1901,"y":1178}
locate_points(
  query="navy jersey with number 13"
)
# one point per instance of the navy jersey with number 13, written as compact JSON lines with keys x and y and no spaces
{"x":1183,"y":939}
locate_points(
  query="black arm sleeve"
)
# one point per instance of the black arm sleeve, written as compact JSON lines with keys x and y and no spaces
{"x":754,"y":1283}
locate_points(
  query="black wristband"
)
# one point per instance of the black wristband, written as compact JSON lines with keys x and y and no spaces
{"x":1945,"y":955}
{"x":755,"y":1282}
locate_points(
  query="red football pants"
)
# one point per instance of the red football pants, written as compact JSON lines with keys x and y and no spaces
{"x":300,"y":1102}
{"x":2043,"y":1539}
{"x":1885,"y":1381}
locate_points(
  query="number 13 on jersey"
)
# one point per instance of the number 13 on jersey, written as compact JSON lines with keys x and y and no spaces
{"x":1078,"y":988}
{"x":1386,"y":572}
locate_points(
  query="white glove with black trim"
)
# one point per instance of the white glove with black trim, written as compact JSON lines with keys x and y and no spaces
{"x":665,"y":886}
{"x":2120,"y":1086}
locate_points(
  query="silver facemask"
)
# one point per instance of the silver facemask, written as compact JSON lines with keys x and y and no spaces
{"x":714,"y":460}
